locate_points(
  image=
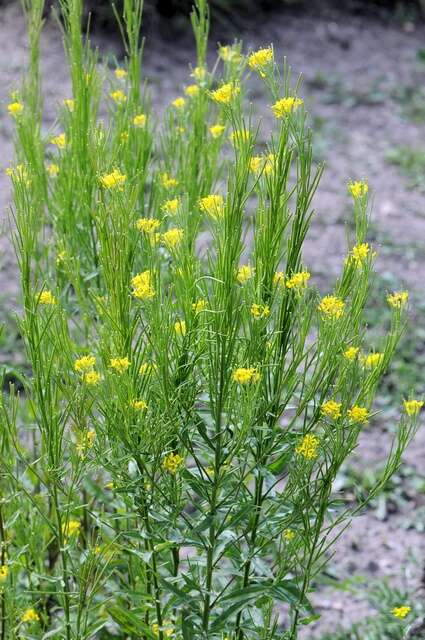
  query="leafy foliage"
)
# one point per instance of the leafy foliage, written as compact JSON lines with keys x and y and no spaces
{"x":168,"y":470}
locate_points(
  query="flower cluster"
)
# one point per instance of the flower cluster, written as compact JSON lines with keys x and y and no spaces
{"x":401,"y":612}
{"x":15,"y":108}
{"x":331,"y":307}
{"x":358,"y":189}
{"x":412,"y":407}
{"x":351,"y":353}
{"x":243,"y":375}
{"x":226,"y":93}
{"x":147,"y":225}
{"x":398,"y":299}
{"x":46,"y":297}
{"x":212,"y":205}
{"x":30,"y":615}
{"x":286,"y":106}
{"x":359,"y":253}
{"x":298,"y":280}
{"x":119,"y":365}
{"x":142,"y":286}
{"x":113,"y":180}
{"x":308,"y":447}
{"x":260,"y":310}
{"x":86,"y":442}
{"x":261,"y":59}
{"x":331,"y":409}
{"x":172,"y":462}
{"x":244,"y":274}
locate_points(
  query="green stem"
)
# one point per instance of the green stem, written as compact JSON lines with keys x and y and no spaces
{"x":3,"y":560}
{"x":65,"y":575}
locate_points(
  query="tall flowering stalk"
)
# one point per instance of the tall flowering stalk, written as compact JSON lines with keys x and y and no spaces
{"x":191,"y":396}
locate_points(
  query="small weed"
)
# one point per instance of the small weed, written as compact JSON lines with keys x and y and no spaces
{"x":383,"y":625}
{"x":411,"y":162}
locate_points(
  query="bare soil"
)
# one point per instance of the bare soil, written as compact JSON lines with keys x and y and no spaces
{"x":355,"y":71}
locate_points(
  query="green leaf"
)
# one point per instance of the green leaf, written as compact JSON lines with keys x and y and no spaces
{"x":129,"y":621}
{"x":310,"y":619}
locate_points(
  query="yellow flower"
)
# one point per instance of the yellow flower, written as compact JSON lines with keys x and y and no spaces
{"x":52,"y":169}
{"x":4,"y":572}
{"x":199,"y":73}
{"x":114,"y":180}
{"x":213,"y":205}
{"x":19,"y":173}
{"x":398,"y":299}
{"x":71,"y":528}
{"x":244,"y":274}
{"x":91,"y":378}
{"x":120,"y":73}
{"x":59,"y":141}
{"x":30,"y":615}
{"x":171,"y":206}
{"x":358,"y":414}
{"x":120,"y":365}
{"x":172,"y":237}
{"x":61,"y":256}
{"x":118,"y":96}
{"x":331,"y":409}
{"x":172,"y":462}
{"x":124,"y":137}
{"x":373,"y":360}
{"x":142,"y":285}
{"x":278,"y":278}
{"x":180,"y":328}
{"x":308,"y":446}
{"x":15,"y":109}
{"x":147,"y":225}
{"x":168,"y":182}
{"x":412,"y":407}
{"x":167,"y":629}
{"x":230,"y":53}
{"x":192,"y":90}
{"x":288,"y":534}
{"x":284,"y":106}
{"x":351,"y":353}
{"x":260,"y":311}
{"x":298,"y":280}
{"x":260,"y":59}
{"x":243,"y":375}
{"x":46,"y":297}
{"x":199,"y":305}
{"x":358,"y":189}
{"x":139,"y":120}
{"x":179,"y":103}
{"x":401,"y":612}
{"x":86,"y":442}
{"x":139,"y":405}
{"x":146,"y":368}
{"x":263,"y":163}
{"x":86,"y":363}
{"x":359,"y":253}
{"x":270,"y":162}
{"x":216,"y":130}
{"x":69,"y":103}
{"x":256,"y":164}
{"x":331,"y":307}
{"x":226,"y":93}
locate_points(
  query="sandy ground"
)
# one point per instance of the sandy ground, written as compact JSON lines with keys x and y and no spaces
{"x":353,"y":71}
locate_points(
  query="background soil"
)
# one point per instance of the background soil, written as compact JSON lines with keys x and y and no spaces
{"x":363,"y":84}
